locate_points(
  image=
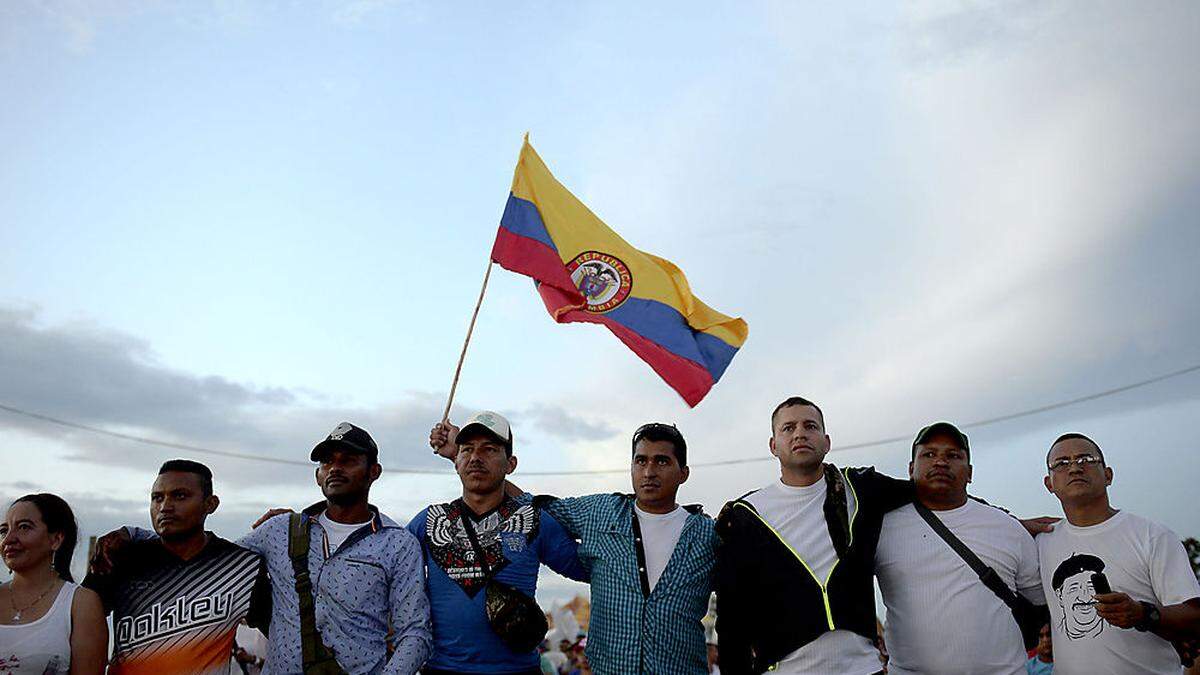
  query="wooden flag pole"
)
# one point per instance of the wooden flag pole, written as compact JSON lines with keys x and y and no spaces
{"x":470,"y":328}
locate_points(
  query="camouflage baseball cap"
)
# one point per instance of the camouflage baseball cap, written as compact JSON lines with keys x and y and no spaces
{"x":493,"y":423}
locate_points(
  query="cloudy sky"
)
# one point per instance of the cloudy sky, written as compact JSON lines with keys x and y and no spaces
{"x":232,"y":225}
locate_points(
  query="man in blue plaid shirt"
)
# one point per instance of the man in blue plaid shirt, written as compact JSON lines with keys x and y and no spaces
{"x":651,"y":561}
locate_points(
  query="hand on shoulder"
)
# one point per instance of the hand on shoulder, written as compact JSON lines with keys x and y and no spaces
{"x":270,"y":514}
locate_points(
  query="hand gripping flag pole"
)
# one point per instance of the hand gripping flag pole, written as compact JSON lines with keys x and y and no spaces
{"x":463,"y":355}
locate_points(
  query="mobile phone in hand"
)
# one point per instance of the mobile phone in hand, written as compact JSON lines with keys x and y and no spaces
{"x":1100,"y":583}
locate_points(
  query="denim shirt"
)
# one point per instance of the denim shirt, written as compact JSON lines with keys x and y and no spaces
{"x":376,"y":578}
{"x":631,"y":632}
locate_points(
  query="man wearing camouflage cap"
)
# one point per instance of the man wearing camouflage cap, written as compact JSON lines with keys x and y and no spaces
{"x":514,"y":538}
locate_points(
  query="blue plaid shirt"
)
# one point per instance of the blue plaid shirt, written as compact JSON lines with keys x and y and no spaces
{"x":630,"y":632}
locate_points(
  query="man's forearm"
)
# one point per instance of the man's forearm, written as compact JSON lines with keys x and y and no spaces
{"x":1179,"y":622}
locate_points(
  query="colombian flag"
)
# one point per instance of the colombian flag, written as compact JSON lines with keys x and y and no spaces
{"x":586,"y":272}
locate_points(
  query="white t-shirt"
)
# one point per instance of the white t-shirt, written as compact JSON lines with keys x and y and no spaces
{"x":1140,"y":558}
{"x":335,"y":532}
{"x":930,"y":592}
{"x":42,"y":646}
{"x":660,"y":533}
{"x":798,"y":515}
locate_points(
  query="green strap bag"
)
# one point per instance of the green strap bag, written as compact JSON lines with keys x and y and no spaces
{"x":318,"y":659}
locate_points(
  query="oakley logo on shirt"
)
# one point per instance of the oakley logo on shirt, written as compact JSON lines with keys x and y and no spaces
{"x":184,"y":614}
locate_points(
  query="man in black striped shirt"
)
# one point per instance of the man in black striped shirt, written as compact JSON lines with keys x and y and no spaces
{"x":176,"y":601}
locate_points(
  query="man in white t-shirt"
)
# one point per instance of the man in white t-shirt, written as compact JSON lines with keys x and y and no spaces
{"x":941,"y":619}
{"x":1155,"y":598}
{"x":795,"y":590}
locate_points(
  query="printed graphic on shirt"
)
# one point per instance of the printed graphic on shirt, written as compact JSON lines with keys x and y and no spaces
{"x":12,"y":664}
{"x":511,"y":526}
{"x":1072,"y":583}
{"x":172,"y":616}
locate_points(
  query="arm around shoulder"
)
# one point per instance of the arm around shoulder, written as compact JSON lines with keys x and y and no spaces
{"x":89,"y":633}
{"x":732,"y":613}
{"x":890,"y":493}
{"x":558,"y":551}
{"x":259,"y":537}
{"x":573,"y":513}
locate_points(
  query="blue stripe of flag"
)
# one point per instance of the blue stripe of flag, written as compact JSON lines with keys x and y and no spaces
{"x":667,"y":327}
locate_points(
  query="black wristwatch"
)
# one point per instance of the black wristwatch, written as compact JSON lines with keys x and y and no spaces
{"x":1150,"y":618}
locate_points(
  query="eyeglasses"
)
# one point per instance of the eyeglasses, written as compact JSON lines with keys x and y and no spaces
{"x":1082,"y":460}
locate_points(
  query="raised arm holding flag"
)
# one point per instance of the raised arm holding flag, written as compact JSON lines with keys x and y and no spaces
{"x":586,"y":272}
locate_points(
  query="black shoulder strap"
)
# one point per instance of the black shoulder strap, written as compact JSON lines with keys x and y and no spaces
{"x":640,"y":549}
{"x":316,"y":656}
{"x":837,"y":518}
{"x":986,"y":574}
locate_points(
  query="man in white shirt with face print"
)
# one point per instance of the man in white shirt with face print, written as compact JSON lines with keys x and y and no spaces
{"x":1154,"y":599}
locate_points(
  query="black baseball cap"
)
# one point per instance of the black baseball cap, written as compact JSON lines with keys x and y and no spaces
{"x":346,"y":436}
{"x":941,"y":428}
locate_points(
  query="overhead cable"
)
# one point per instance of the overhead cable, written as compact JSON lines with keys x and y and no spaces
{"x":585,"y":472}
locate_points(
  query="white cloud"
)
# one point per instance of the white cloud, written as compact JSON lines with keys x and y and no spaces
{"x":959,"y":211}
{"x":77,"y":23}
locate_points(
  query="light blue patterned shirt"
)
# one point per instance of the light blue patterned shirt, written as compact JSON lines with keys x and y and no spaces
{"x":375,"y":578}
{"x":629,"y":631}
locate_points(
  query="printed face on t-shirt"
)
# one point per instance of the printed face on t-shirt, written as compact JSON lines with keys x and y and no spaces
{"x":1078,"y":602}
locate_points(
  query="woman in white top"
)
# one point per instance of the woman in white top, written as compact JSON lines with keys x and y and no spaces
{"x":48,"y":625}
